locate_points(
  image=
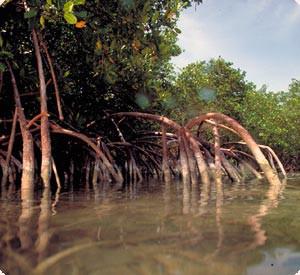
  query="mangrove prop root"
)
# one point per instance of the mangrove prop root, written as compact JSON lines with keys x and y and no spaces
{"x":185,"y":169}
{"x":190,"y":157}
{"x":59,"y":130}
{"x":230,"y":169}
{"x":45,"y":132}
{"x":155,"y":153}
{"x":36,"y":118}
{"x":10,"y":147}
{"x":54,"y":168}
{"x":53,"y":76}
{"x":28,"y":151}
{"x":218,"y":172}
{"x":244,"y":134}
{"x":271,"y":151}
{"x":165,"y":165}
{"x":13,"y":160}
{"x":203,"y":169}
{"x":251,"y":169}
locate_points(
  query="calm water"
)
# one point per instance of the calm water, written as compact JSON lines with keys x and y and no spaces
{"x":153,"y":229}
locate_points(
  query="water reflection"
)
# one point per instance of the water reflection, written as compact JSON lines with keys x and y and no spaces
{"x":204,"y":198}
{"x":186,"y":196}
{"x":43,"y":232}
{"x":25,"y":222}
{"x":255,"y":221}
{"x":219,"y":205}
{"x":197,"y":203}
{"x":56,"y":200}
{"x":195,"y":197}
{"x":167,"y":198}
{"x":172,"y":228}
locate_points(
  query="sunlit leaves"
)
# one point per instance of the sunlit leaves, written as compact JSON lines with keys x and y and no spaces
{"x":79,"y":2}
{"x":210,"y":86}
{"x":273,"y":119}
{"x":98,"y":45}
{"x":70,"y":18}
{"x":42,"y":21}
{"x":68,"y":6}
{"x":66,"y":74}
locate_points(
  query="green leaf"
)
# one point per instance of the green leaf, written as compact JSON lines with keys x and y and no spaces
{"x":68,"y":6}
{"x":42,"y":21}
{"x":6,"y":54}
{"x":49,"y":2}
{"x":79,"y":2}
{"x":2,"y":67}
{"x":66,"y":74}
{"x":155,"y":16}
{"x":31,"y":13}
{"x":15,"y":65}
{"x":177,"y":30}
{"x":81,"y":14}
{"x":70,"y":18}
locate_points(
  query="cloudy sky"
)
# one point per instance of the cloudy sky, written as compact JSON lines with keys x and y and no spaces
{"x":262,"y":37}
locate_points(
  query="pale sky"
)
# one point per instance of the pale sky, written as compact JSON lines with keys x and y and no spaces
{"x":262,"y":37}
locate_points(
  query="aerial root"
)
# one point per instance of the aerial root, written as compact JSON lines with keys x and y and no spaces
{"x":174,"y":151}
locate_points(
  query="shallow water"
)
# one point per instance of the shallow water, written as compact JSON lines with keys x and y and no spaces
{"x":153,"y":228}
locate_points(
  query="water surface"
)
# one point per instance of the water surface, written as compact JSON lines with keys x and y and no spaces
{"x":153,"y":228}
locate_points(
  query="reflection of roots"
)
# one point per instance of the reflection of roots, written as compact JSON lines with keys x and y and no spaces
{"x":51,"y":261}
{"x":260,"y":234}
{"x":254,"y":221}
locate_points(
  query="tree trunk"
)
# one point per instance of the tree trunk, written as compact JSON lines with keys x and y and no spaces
{"x":165,"y":165}
{"x":45,"y":132}
{"x":218,"y":171}
{"x":28,"y":151}
{"x":10,"y":148}
{"x":53,"y":76}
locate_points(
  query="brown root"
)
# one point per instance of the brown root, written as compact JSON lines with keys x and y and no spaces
{"x":244,"y":134}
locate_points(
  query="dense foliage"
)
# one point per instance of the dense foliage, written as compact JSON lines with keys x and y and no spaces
{"x":273,"y":118}
{"x":108,"y":55}
{"x":92,"y":58}
{"x":207,"y":86}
